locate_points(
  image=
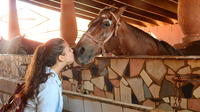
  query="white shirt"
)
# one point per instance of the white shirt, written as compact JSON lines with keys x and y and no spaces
{"x":49,"y":98}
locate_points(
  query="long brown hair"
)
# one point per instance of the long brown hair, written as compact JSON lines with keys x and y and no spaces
{"x":44,"y":56}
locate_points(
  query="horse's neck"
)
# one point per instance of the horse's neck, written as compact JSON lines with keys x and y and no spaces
{"x":127,"y":31}
{"x":132,"y":40}
{"x":125,"y":35}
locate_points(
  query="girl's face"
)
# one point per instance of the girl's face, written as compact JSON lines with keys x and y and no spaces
{"x":68,"y":54}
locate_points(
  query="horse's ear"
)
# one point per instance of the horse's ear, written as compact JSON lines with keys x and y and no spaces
{"x":121,"y":10}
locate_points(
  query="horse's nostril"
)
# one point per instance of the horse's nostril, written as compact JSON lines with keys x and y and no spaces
{"x":81,"y":50}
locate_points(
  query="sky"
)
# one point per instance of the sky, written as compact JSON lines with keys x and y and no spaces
{"x":35,"y":22}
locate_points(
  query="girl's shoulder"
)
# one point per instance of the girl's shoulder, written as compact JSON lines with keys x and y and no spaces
{"x":50,"y":83}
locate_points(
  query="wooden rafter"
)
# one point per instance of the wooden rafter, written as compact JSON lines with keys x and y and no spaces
{"x":164,"y":4}
{"x":138,"y":12}
{"x":88,"y":5}
{"x":81,"y":10}
{"x":174,"y":1}
{"x":149,"y":8}
{"x":56,"y":7}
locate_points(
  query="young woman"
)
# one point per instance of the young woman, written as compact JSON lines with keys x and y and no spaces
{"x":42,"y":80}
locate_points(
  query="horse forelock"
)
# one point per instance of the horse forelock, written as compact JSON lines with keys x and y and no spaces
{"x":107,"y":13}
{"x":107,"y":9}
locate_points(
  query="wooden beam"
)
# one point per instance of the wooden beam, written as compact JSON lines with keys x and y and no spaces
{"x":87,"y":9}
{"x":147,"y":7}
{"x":139,"y":12}
{"x":127,"y":14}
{"x":88,"y":5}
{"x":174,"y":1}
{"x":164,"y":4}
{"x":81,"y":5}
{"x":100,"y":5}
{"x":127,"y":17}
{"x":85,"y":15}
{"x":132,"y":12}
{"x":90,"y":9}
{"x":140,"y":18}
{"x":55,"y":7}
{"x":81,"y":11}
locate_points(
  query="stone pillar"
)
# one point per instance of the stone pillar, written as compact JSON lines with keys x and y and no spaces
{"x":68,"y":25}
{"x":13,"y":30}
{"x":189,"y":19}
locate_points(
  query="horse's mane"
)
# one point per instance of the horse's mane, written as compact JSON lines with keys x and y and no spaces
{"x":138,"y":32}
{"x":141,"y":35}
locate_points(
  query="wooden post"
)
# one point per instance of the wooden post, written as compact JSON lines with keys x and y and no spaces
{"x":13,"y":30}
{"x":189,"y":19}
{"x":68,"y":25}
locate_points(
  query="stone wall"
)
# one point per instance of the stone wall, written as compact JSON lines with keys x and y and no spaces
{"x":148,"y":81}
{"x":77,"y":102}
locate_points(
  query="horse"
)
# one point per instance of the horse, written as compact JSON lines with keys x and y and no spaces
{"x":109,"y":33}
{"x":18,"y":45}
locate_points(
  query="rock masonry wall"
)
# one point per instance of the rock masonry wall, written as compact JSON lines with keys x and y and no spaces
{"x":148,"y":81}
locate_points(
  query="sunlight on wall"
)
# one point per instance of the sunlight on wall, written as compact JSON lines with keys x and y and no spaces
{"x":36,"y":23}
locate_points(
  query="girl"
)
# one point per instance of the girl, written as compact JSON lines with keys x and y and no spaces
{"x":42,"y":80}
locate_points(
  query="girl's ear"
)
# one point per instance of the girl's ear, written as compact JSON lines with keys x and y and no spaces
{"x":61,"y":58}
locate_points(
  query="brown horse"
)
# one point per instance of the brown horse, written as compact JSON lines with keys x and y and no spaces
{"x":108,"y":33}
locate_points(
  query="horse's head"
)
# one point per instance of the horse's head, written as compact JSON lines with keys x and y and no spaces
{"x":99,"y":38}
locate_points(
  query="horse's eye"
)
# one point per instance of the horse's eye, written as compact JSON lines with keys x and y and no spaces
{"x":107,"y":23}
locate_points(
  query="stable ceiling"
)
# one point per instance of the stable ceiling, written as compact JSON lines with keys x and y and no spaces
{"x":143,"y":13}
